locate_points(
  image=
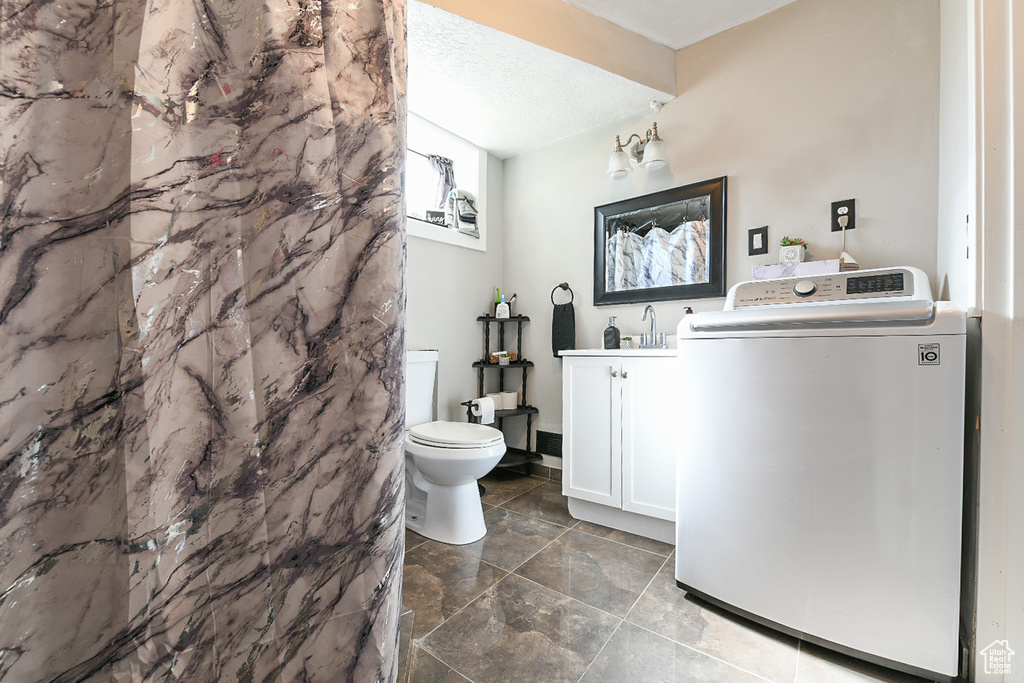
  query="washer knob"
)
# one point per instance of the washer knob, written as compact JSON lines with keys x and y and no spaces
{"x":805,"y":288}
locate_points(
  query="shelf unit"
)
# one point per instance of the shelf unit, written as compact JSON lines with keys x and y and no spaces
{"x":513,"y":457}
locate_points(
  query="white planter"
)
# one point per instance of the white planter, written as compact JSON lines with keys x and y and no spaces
{"x":791,"y":254}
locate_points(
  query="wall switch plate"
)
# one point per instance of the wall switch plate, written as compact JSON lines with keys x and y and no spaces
{"x":847,"y":208}
{"x":757,"y":241}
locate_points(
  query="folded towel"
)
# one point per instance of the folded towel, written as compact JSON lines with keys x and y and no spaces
{"x":460,"y":212}
{"x":563,"y":328}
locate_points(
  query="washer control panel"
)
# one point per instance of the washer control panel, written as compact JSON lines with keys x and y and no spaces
{"x":876,"y":284}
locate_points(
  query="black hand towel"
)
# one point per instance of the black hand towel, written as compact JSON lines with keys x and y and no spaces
{"x":563,"y":328}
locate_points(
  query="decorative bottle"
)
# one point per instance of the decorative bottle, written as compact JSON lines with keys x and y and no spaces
{"x":611,"y":334}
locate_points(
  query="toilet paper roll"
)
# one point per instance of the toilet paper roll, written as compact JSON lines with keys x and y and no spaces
{"x":484,"y":409}
{"x":509,"y":400}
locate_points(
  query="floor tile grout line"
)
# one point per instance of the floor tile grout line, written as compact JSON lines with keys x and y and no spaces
{"x":472,"y":599}
{"x":558,"y":592}
{"x":525,"y":514}
{"x":419,"y":642}
{"x":453,"y":615}
{"x":513,"y":497}
{"x":702,"y":653}
{"x":574,"y":599}
{"x":647,"y":587}
{"x":407,"y":549}
{"x":490,"y":564}
{"x":531,"y":517}
{"x":546,"y":546}
{"x":523,"y":493}
{"x":691,"y":647}
{"x":578,"y":599}
{"x":576,"y":523}
{"x":435,"y":656}
{"x":623,"y":543}
{"x":458,"y":549}
{"x":561,"y":533}
{"x":603,"y":646}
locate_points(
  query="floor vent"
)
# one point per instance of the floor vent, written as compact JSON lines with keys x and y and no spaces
{"x":549,"y":443}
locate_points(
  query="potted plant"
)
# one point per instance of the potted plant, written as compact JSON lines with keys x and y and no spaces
{"x":792,"y":250}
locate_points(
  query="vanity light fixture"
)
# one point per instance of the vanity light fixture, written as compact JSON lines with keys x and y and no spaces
{"x":648,"y":152}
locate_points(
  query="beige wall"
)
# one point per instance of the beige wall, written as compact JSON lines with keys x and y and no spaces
{"x":819,"y":101}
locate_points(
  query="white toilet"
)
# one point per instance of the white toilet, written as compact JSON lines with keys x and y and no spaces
{"x":443,"y":460}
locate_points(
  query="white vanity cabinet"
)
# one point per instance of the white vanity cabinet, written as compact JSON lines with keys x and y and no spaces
{"x":619,"y":446}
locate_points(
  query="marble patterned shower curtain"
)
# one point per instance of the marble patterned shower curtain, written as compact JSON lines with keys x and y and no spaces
{"x":201,"y":346}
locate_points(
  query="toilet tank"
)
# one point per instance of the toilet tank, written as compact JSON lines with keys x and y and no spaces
{"x":420,"y":387}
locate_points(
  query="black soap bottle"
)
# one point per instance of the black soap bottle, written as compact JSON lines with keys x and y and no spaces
{"x":611,"y":335}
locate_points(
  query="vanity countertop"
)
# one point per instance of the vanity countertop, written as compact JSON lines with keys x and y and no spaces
{"x":619,"y":352}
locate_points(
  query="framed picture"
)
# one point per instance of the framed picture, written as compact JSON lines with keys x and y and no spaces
{"x":662,"y":246}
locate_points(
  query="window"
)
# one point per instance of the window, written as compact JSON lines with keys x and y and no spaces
{"x":469,"y":168}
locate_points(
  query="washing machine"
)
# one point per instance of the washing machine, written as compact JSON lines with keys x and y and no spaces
{"x":820,"y":467}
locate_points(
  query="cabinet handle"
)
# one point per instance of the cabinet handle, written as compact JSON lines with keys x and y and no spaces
{"x":624,"y":375}
{"x":615,"y":373}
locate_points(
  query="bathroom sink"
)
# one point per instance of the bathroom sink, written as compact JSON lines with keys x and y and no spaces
{"x":619,"y":352}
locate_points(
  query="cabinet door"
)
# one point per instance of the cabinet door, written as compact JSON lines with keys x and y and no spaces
{"x":650,"y":401}
{"x":591,"y":419}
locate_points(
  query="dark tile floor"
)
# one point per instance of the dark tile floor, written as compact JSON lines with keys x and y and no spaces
{"x":546,"y":598}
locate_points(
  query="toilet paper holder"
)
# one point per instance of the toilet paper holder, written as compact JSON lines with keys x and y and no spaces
{"x":469,"y":410}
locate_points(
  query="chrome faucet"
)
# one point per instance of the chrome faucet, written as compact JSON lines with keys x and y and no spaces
{"x":651,"y":341}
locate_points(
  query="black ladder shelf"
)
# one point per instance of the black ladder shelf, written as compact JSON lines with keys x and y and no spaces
{"x":513,"y":457}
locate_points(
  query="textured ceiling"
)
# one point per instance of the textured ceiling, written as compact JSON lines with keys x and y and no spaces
{"x":508,"y":96}
{"x":504,"y":94}
{"x":678,"y":23}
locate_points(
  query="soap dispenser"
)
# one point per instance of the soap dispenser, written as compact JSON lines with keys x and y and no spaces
{"x":501,"y":310}
{"x":611,"y":334}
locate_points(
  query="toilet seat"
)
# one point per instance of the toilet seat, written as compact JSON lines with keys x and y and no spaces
{"x":455,"y":435}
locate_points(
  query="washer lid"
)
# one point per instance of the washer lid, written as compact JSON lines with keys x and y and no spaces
{"x":455,"y":434}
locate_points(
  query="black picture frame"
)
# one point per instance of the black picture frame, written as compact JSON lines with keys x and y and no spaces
{"x":705,"y":200}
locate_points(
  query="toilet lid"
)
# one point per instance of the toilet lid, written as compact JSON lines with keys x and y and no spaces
{"x":455,"y":435}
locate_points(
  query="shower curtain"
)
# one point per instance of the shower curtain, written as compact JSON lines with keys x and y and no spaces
{"x":201,"y":345}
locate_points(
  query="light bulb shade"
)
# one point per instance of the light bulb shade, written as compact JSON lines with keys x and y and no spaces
{"x":655,"y":155}
{"x":618,"y":165}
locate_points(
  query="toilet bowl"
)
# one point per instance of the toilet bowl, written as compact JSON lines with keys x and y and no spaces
{"x":443,"y":460}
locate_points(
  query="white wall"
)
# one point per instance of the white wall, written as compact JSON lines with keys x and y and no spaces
{"x":819,"y":101}
{"x":448,"y":287}
{"x":958,"y":251}
{"x":999,"y":28}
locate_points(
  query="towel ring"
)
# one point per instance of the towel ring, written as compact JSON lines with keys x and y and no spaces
{"x":565,"y":286}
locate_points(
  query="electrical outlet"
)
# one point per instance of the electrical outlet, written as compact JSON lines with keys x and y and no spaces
{"x":846,"y":208}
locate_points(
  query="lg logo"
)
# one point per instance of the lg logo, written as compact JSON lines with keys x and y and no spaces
{"x":927,"y":354}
